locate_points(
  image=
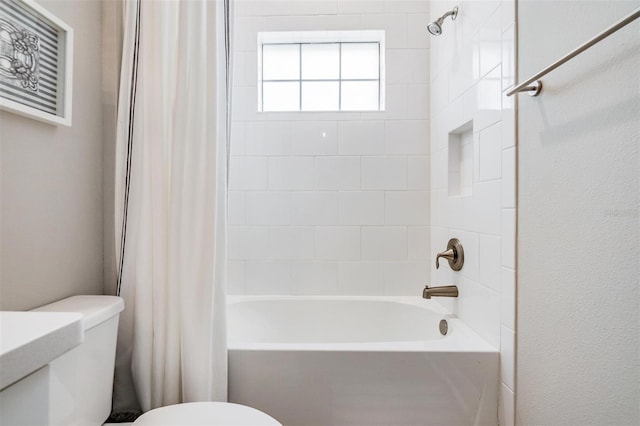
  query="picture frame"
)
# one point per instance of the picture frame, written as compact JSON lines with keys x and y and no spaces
{"x":36,"y":63}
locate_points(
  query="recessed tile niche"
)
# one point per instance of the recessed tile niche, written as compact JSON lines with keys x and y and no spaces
{"x":461,"y":160}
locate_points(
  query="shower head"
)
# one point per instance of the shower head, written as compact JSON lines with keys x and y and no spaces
{"x":435,"y":27}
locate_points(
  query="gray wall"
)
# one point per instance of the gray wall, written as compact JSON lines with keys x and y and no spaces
{"x":578,"y":324}
{"x":112,"y":33}
{"x":51,"y":184}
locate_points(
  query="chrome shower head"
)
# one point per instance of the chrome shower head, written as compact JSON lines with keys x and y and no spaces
{"x":435,"y":27}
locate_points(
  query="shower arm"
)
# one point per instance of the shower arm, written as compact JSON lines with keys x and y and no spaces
{"x":453,"y":13}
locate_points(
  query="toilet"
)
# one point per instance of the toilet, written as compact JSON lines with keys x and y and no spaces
{"x":82,"y":379}
{"x":205,"y":413}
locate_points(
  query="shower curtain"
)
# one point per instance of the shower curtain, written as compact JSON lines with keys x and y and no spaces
{"x":171,"y":162}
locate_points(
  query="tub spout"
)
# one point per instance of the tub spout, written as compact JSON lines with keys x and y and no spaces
{"x":443,"y":291}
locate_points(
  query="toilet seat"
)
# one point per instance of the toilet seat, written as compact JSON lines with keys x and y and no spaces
{"x":206,"y":413}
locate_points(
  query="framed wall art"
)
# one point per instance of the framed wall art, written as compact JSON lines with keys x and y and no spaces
{"x":36,"y":62}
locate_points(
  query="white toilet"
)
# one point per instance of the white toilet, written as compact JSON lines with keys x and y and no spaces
{"x":82,"y":379}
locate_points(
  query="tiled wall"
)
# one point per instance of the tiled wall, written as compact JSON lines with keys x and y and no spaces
{"x":332,"y":203}
{"x":472,"y":63}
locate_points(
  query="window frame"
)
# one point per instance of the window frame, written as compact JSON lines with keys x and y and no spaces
{"x":339,"y":80}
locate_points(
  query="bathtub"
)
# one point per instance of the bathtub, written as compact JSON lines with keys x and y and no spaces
{"x":316,"y":360}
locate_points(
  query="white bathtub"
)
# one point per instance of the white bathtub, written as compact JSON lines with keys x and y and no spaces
{"x":358,"y":360}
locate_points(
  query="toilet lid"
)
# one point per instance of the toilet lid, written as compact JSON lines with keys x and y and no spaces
{"x":206,"y":413}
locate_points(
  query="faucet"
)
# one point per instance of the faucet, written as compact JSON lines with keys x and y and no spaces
{"x":443,"y":291}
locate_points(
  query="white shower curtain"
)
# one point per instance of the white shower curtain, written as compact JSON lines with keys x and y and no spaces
{"x":170,"y":199}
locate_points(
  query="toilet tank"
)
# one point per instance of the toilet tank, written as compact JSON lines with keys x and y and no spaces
{"x":82,"y":379}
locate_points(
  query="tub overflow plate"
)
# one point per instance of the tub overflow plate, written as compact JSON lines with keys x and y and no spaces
{"x":444,"y":327}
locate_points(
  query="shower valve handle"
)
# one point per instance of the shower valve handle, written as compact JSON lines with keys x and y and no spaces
{"x":454,"y":255}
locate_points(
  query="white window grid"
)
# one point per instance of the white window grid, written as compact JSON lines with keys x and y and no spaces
{"x":339,"y":80}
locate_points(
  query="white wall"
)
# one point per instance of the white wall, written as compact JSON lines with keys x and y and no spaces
{"x":578,"y":224}
{"x":471,"y":66}
{"x":51,"y":184}
{"x":347,"y":213}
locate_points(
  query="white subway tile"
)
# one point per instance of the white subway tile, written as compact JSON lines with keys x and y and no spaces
{"x":439,"y":175}
{"x":315,"y":277}
{"x":509,"y":238}
{"x":477,"y":13}
{"x":489,"y":42}
{"x":314,"y":116}
{"x":337,"y":173}
{"x":508,"y":123}
{"x":245,"y":104}
{"x":407,"y":66}
{"x":237,"y":140}
{"x":384,"y":173}
{"x":239,"y":69}
{"x":439,"y":92}
{"x":235,"y":277}
{"x":509,"y":178}
{"x":395,"y":106}
{"x":248,"y":173}
{"x":314,"y":23}
{"x":481,"y":311}
{"x":247,"y":243}
{"x":485,"y":204}
{"x":291,"y":173}
{"x":508,"y":57}
{"x":417,"y":37}
{"x":490,"y":264}
{"x":464,"y":70}
{"x":361,"y":137}
{"x":284,"y":7}
{"x":490,"y":158}
{"x":250,"y":69}
{"x":315,"y":208}
{"x":419,"y":242}
{"x":384,"y":243}
{"x":508,"y":298}
{"x":394,"y":26}
{"x":267,"y":277}
{"x":245,"y":69}
{"x":418,"y":102}
{"x":407,"y":137}
{"x":471,"y":244}
{"x":360,"y":7}
{"x":475,"y":157}
{"x":405,"y":278}
{"x":407,"y":208}
{"x":418,"y":173}
{"x":507,"y":356}
{"x":508,"y":10}
{"x":361,"y":278}
{"x":268,"y":138}
{"x":291,"y":243}
{"x":315,"y":138}
{"x":361,"y":208}
{"x":484,"y":100}
{"x":236,"y":208}
{"x":245,"y":32}
{"x":406,"y":6}
{"x":268,"y":208}
{"x":337,"y":242}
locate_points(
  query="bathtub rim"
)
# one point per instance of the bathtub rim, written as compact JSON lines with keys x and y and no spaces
{"x":460,"y":339}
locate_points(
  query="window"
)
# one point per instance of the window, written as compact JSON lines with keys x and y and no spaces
{"x":317,"y":72}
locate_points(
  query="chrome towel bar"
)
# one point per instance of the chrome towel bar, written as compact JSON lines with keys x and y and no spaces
{"x":533,"y":86}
